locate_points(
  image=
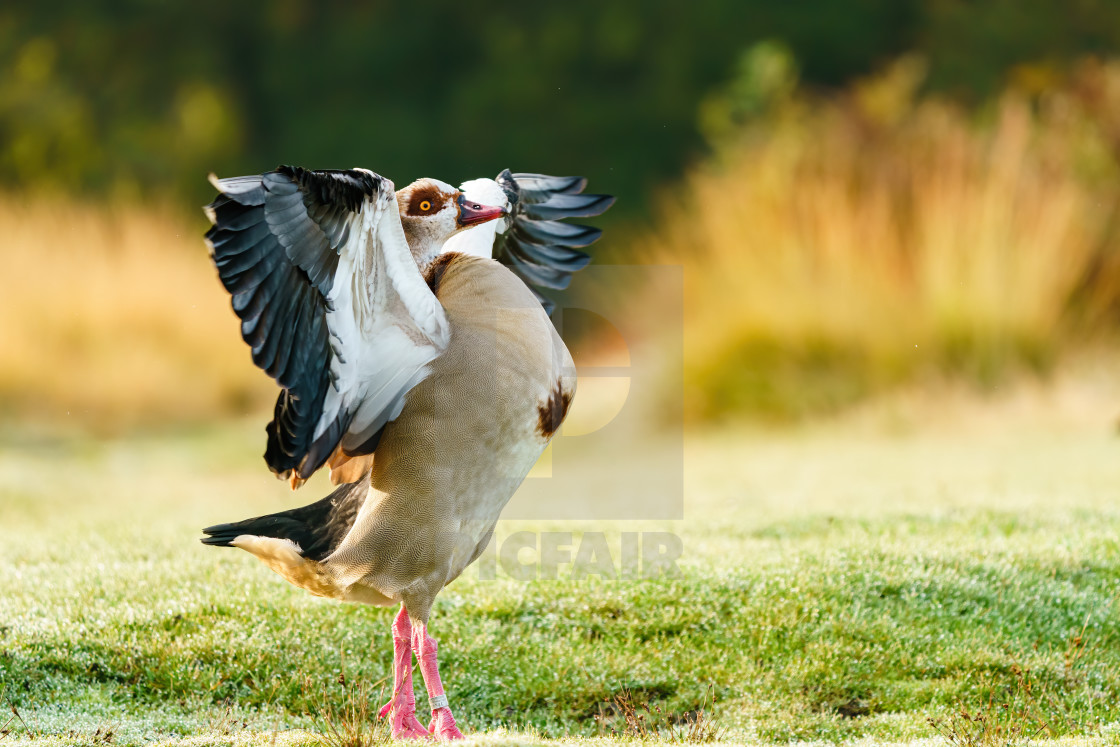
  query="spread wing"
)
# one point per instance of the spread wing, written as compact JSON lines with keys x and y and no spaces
{"x":534,"y":242}
{"x":331,"y":302}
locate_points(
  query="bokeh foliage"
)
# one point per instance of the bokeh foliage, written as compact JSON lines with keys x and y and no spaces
{"x":139,"y":96}
{"x":805,"y":155}
{"x":837,"y":246}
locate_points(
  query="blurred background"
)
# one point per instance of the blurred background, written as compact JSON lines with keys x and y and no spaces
{"x":897,"y":227}
{"x":866,"y":197}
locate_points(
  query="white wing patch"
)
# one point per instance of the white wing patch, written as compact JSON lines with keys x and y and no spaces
{"x":331,"y":302}
{"x":385,"y":324}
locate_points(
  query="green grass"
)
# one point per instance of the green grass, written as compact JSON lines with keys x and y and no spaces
{"x":837,"y":584}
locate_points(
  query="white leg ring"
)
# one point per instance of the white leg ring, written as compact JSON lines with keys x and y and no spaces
{"x":437,"y":701}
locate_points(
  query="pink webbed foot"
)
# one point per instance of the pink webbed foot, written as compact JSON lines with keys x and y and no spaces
{"x":402,"y":719}
{"x":443,"y":725}
{"x":401,"y":708}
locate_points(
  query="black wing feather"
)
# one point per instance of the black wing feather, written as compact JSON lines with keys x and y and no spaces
{"x":537,"y":246}
{"x":275,"y":242}
{"x":539,"y":187}
{"x":318,"y":529}
{"x":568,"y":206}
{"x":550,"y":254}
{"x":555,"y":232}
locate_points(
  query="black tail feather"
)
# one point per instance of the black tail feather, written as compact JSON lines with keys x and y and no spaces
{"x":317,"y":528}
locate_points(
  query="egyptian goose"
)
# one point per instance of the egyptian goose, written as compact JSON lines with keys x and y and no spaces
{"x":423,"y":373}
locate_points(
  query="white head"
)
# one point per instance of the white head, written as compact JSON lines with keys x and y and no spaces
{"x":433,"y":211}
{"x":479,"y":240}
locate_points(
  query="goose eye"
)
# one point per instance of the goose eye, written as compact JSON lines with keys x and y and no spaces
{"x":425,"y":205}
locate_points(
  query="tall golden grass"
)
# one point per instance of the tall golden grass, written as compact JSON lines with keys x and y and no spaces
{"x":844,"y":245}
{"x":112,"y":316}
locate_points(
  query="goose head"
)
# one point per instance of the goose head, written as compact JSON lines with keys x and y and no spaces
{"x":433,"y":211}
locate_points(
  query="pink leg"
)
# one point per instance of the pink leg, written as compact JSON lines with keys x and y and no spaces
{"x":443,"y":723}
{"x":403,"y":704}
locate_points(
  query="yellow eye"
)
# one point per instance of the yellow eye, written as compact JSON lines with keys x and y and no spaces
{"x":425,"y":206}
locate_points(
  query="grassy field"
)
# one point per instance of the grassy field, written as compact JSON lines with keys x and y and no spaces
{"x":846,"y":581}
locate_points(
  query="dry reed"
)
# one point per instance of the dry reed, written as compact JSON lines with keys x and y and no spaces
{"x":844,"y":245}
{"x":112,"y":316}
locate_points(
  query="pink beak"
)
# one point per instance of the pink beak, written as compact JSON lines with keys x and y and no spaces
{"x":472,"y":213}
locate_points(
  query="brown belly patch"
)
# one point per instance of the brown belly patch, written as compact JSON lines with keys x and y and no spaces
{"x":553,"y":410}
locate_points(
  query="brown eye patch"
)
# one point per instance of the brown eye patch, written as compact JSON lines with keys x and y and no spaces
{"x":425,"y":201}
